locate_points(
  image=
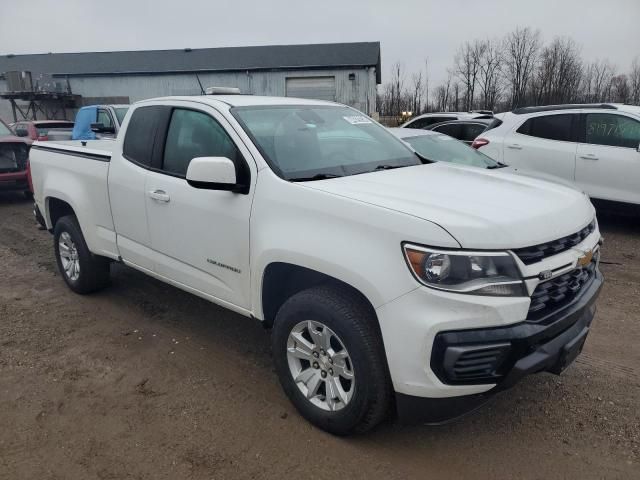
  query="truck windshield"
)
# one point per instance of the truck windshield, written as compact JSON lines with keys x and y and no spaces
{"x":312,"y":142}
{"x":443,"y":148}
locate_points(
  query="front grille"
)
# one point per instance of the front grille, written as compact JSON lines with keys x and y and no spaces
{"x":534,"y":254}
{"x":557,"y":293}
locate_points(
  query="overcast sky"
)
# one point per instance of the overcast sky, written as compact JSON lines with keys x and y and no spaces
{"x":408,"y":30}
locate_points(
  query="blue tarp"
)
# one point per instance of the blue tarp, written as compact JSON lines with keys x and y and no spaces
{"x":82,"y":128}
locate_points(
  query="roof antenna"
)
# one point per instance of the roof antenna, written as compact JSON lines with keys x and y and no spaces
{"x":202,"y":92}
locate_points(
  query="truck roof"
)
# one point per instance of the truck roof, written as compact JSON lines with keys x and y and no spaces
{"x":244,"y":100}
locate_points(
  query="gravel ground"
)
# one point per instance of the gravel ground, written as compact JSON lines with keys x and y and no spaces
{"x":144,"y":381}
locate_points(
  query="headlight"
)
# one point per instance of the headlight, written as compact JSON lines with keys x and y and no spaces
{"x":477,"y":273}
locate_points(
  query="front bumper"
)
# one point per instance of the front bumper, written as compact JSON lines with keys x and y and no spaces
{"x":524,"y":348}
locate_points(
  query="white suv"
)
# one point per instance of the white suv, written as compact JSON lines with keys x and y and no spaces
{"x":596,"y":146}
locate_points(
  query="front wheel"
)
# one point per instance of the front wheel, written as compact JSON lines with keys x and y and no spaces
{"x":330,"y":360}
{"x":82,"y":271}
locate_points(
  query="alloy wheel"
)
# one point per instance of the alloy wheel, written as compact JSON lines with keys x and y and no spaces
{"x":69,"y":256}
{"x":320,"y":365}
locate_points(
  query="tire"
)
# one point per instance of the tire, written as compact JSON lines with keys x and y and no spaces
{"x":90,"y":272}
{"x":352,"y":326}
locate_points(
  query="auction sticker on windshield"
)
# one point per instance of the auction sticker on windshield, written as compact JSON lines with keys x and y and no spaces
{"x":357,"y":119}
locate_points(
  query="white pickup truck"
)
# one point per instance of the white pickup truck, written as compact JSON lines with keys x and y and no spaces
{"x":387,"y":279}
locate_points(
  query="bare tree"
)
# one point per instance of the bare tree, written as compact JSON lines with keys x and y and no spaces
{"x":634,"y":81}
{"x":466,"y":67}
{"x":558,"y":73}
{"x":489,"y":64}
{"x":426,"y":84}
{"x":620,"y":91}
{"x":515,"y":71}
{"x":442,"y":95}
{"x":521,"y":49}
{"x":397,"y":87}
{"x":416,"y":93}
{"x":603,"y":73}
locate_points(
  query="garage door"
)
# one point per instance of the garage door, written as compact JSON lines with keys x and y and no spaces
{"x":319,"y":88}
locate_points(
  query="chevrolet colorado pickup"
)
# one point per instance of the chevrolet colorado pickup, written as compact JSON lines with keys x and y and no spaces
{"x":387,"y":279}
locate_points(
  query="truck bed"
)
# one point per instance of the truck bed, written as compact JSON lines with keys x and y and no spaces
{"x":76,"y":172}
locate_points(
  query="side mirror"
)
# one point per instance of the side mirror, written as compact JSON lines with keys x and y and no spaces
{"x":101,"y":128}
{"x":214,"y":173}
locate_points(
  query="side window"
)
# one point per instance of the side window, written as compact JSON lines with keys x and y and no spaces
{"x":612,"y":130}
{"x":104,"y":118}
{"x":471,"y":130}
{"x":141,"y":132}
{"x":195,"y":134}
{"x":551,"y":127}
{"x":419,"y":123}
{"x":451,"y":129}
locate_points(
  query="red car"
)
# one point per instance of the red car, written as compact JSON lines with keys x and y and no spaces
{"x":43,"y":130}
{"x":14,"y":161}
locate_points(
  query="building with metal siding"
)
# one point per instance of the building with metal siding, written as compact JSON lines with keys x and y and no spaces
{"x":344,"y":72}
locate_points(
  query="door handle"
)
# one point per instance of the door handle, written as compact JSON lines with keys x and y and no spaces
{"x":515,"y":146}
{"x":589,"y":156}
{"x":160,"y":196}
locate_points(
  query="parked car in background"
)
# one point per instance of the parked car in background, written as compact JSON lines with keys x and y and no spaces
{"x":14,"y":159}
{"x":43,"y":130}
{"x":427,"y":119}
{"x":98,"y":121}
{"x":382,"y":274}
{"x":597,"y":146}
{"x":439,"y":147}
{"x":465,"y":130}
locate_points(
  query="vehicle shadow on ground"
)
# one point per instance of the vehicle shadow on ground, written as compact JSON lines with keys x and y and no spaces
{"x":618,"y":221}
{"x":219,"y":328}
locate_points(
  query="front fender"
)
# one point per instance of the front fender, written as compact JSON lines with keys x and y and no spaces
{"x":355,"y":242}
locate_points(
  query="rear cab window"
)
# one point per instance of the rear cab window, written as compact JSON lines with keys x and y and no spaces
{"x":140,"y":140}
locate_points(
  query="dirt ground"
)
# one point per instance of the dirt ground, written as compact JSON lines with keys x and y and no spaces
{"x":144,"y":381}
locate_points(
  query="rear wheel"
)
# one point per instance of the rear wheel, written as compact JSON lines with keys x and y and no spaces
{"x":330,"y":360}
{"x":81,"y":270}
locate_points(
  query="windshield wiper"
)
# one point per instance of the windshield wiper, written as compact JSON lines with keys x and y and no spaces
{"x":388,"y":167}
{"x":424,"y":159}
{"x":497,"y":165}
{"x":317,"y":176}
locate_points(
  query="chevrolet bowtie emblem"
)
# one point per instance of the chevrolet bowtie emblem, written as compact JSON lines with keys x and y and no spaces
{"x":585,"y":259}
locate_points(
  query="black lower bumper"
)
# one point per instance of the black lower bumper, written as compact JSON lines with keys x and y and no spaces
{"x":509,"y":354}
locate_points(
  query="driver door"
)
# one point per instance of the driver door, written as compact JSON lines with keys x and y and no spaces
{"x":200,"y":237}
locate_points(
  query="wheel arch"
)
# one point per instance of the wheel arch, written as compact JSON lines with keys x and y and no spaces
{"x":56,"y":208}
{"x":282,"y":280}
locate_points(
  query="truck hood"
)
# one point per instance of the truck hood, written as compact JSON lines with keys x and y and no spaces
{"x":483,"y":209}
